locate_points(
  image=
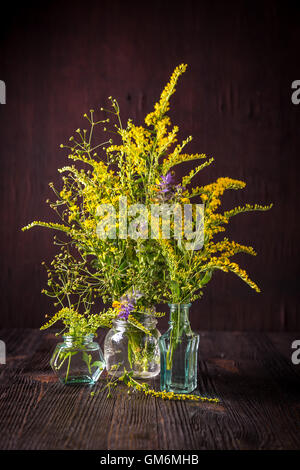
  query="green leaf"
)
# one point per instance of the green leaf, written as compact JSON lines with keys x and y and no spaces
{"x":97,"y":364}
{"x":206,"y":278}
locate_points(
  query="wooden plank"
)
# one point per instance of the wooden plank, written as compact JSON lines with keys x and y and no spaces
{"x":259,"y":409}
{"x":256,"y":384}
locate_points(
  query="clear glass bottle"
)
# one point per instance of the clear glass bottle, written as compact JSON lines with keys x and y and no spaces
{"x":78,"y":360}
{"x":179,"y":352}
{"x":127,"y":346}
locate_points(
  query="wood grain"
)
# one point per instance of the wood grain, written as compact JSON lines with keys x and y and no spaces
{"x":60,"y":59}
{"x":256,"y":382}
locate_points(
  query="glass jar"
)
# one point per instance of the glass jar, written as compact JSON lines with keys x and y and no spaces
{"x":179,"y":352}
{"x":78,"y":360}
{"x":128,"y":347}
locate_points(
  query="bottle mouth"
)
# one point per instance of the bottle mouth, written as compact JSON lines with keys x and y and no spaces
{"x":85,"y":338}
{"x":180,"y":305}
{"x":179,"y":313}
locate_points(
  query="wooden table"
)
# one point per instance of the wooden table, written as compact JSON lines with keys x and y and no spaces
{"x":251,"y":373}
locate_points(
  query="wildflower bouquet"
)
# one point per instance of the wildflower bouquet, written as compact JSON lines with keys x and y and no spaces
{"x":140,"y":239}
{"x":186,"y":245}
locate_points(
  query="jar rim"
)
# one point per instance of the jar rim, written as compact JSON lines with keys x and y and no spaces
{"x":142,"y":317}
{"x":70,"y":336}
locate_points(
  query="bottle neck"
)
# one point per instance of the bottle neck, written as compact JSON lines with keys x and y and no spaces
{"x":179,"y":315}
{"x":72,"y":340}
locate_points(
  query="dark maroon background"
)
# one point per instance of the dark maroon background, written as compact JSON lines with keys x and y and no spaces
{"x":59,"y":59}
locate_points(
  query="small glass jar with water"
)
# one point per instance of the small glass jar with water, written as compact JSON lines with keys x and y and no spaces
{"x":128,"y":347}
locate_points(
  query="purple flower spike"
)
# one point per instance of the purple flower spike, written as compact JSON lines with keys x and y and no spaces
{"x":168,"y":179}
{"x":128,"y":303}
{"x":126,"y":310}
{"x":166,"y":183}
{"x":166,"y":189}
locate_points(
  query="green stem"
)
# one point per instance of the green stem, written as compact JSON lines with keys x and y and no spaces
{"x":68,"y":369}
{"x":136,"y":353}
{"x":176,"y":333}
{"x":59,"y":366}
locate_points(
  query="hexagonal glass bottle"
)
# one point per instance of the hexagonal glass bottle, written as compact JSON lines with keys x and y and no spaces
{"x":179,"y":352}
{"x":78,"y":360}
